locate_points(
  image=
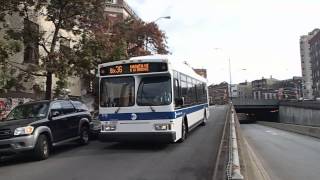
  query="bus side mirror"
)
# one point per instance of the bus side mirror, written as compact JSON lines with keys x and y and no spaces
{"x":179,"y":101}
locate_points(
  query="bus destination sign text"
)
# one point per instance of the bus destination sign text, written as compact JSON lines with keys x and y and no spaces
{"x":133,"y":68}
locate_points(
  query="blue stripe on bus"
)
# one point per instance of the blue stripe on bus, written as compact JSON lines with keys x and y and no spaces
{"x":152,"y":115}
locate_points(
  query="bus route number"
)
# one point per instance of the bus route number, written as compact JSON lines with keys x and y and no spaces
{"x":116,"y":70}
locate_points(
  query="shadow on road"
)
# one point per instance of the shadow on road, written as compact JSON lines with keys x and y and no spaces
{"x":26,"y":157}
{"x":140,"y":146}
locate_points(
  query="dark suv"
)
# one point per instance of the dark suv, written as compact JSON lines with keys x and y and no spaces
{"x":37,"y":126}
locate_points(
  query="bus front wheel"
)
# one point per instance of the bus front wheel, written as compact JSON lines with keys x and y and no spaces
{"x":184,"y":132}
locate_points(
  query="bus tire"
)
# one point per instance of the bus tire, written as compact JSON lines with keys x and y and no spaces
{"x":205,"y":119}
{"x":184,"y":131}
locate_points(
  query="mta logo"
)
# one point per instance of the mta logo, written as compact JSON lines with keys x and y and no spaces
{"x":133,"y":116}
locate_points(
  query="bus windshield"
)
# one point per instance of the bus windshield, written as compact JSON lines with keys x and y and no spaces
{"x":117,"y":92}
{"x":154,"y":91}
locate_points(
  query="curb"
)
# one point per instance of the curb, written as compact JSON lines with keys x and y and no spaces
{"x":300,"y":129}
{"x":252,"y":168}
{"x":234,"y":171}
{"x":222,"y":142}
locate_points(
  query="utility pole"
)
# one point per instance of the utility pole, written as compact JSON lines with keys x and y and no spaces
{"x":230,"y":81}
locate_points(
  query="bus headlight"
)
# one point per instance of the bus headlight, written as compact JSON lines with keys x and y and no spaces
{"x":108,"y":127}
{"x":162,"y":127}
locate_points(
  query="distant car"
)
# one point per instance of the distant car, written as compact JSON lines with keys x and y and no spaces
{"x":37,"y":126}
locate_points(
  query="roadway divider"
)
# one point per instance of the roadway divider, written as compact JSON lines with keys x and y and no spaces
{"x":233,"y":169}
{"x":245,"y":163}
{"x":304,"y":130}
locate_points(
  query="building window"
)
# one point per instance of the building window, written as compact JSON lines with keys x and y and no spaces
{"x":30,"y":40}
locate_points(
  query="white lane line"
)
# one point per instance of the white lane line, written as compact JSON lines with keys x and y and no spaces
{"x":272,"y":133}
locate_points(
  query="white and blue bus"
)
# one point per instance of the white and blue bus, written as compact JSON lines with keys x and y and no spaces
{"x":150,"y":98}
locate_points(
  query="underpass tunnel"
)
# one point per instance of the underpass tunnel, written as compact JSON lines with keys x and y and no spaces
{"x":252,"y":115}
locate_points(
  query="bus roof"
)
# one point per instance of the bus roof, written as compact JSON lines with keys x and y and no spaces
{"x":176,"y":64}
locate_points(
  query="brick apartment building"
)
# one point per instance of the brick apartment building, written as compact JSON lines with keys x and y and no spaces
{"x":201,"y":72}
{"x":306,"y":64}
{"x":315,"y":61}
{"x":218,"y":94}
{"x":263,"y":88}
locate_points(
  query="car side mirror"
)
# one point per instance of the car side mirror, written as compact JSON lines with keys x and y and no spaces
{"x":179,"y":101}
{"x":55,"y":113}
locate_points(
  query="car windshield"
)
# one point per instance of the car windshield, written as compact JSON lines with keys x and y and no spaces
{"x":117,"y":92}
{"x":155,"y":91}
{"x":26,"y":111}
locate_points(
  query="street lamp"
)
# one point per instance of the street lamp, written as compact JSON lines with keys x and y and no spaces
{"x":164,"y":17}
{"x":230,"y":75}
{"x":154,"y":22}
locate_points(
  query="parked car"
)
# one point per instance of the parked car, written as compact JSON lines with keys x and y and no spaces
{"x":36,"y":127}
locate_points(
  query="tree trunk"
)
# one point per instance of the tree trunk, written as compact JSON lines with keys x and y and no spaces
{"x":49,"y":65}
{"x":49,"y":86}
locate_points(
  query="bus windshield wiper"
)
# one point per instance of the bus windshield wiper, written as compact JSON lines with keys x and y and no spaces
{"x":152,"y":109}
{"x":116,"y":112}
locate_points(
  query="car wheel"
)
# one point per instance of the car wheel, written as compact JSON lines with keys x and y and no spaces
{"x":183,"y":132}
{"x":42,"y":148}
{"x":84,"y":135}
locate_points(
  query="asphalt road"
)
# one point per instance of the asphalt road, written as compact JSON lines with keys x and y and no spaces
{"x":194,"y":159}
{"x":284,"y":155}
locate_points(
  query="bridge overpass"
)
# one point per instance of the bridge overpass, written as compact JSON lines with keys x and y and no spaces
{"x":244,"y":104}
{"x":258,"y":109}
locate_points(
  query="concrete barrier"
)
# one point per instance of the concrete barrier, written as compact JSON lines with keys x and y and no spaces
{"x":250,"y":164}
{"x":305,"y":130}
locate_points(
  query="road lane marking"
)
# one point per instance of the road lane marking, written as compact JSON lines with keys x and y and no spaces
{"x":257,"y":162}
{"x":272,"y":133}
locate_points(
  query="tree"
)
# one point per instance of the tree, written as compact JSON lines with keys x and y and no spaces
{"x":65,"y":19}
{"x":95,"y":39}
{"x":115,"y":40}
{"x":121,"y":39}
{"x":8,"y":49}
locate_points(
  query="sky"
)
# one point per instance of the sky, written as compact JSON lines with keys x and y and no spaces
{"x":260,"y":37}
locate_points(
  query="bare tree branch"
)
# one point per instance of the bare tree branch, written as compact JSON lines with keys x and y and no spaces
{"x":44,"y":47}
{"x":26,"y":71}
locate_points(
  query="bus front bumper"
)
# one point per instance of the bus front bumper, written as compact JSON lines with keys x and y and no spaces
{"x":137,"y":136}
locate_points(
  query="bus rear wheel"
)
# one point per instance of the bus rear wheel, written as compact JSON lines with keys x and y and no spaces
{"x":205,"y":119}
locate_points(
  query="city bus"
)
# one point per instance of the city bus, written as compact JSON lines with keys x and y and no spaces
{"x":153,"y":98}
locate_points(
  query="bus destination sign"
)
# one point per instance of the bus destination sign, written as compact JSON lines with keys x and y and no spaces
{"x":133,"y":68}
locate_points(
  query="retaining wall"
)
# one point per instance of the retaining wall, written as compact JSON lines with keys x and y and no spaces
{"x":306,"y":116}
